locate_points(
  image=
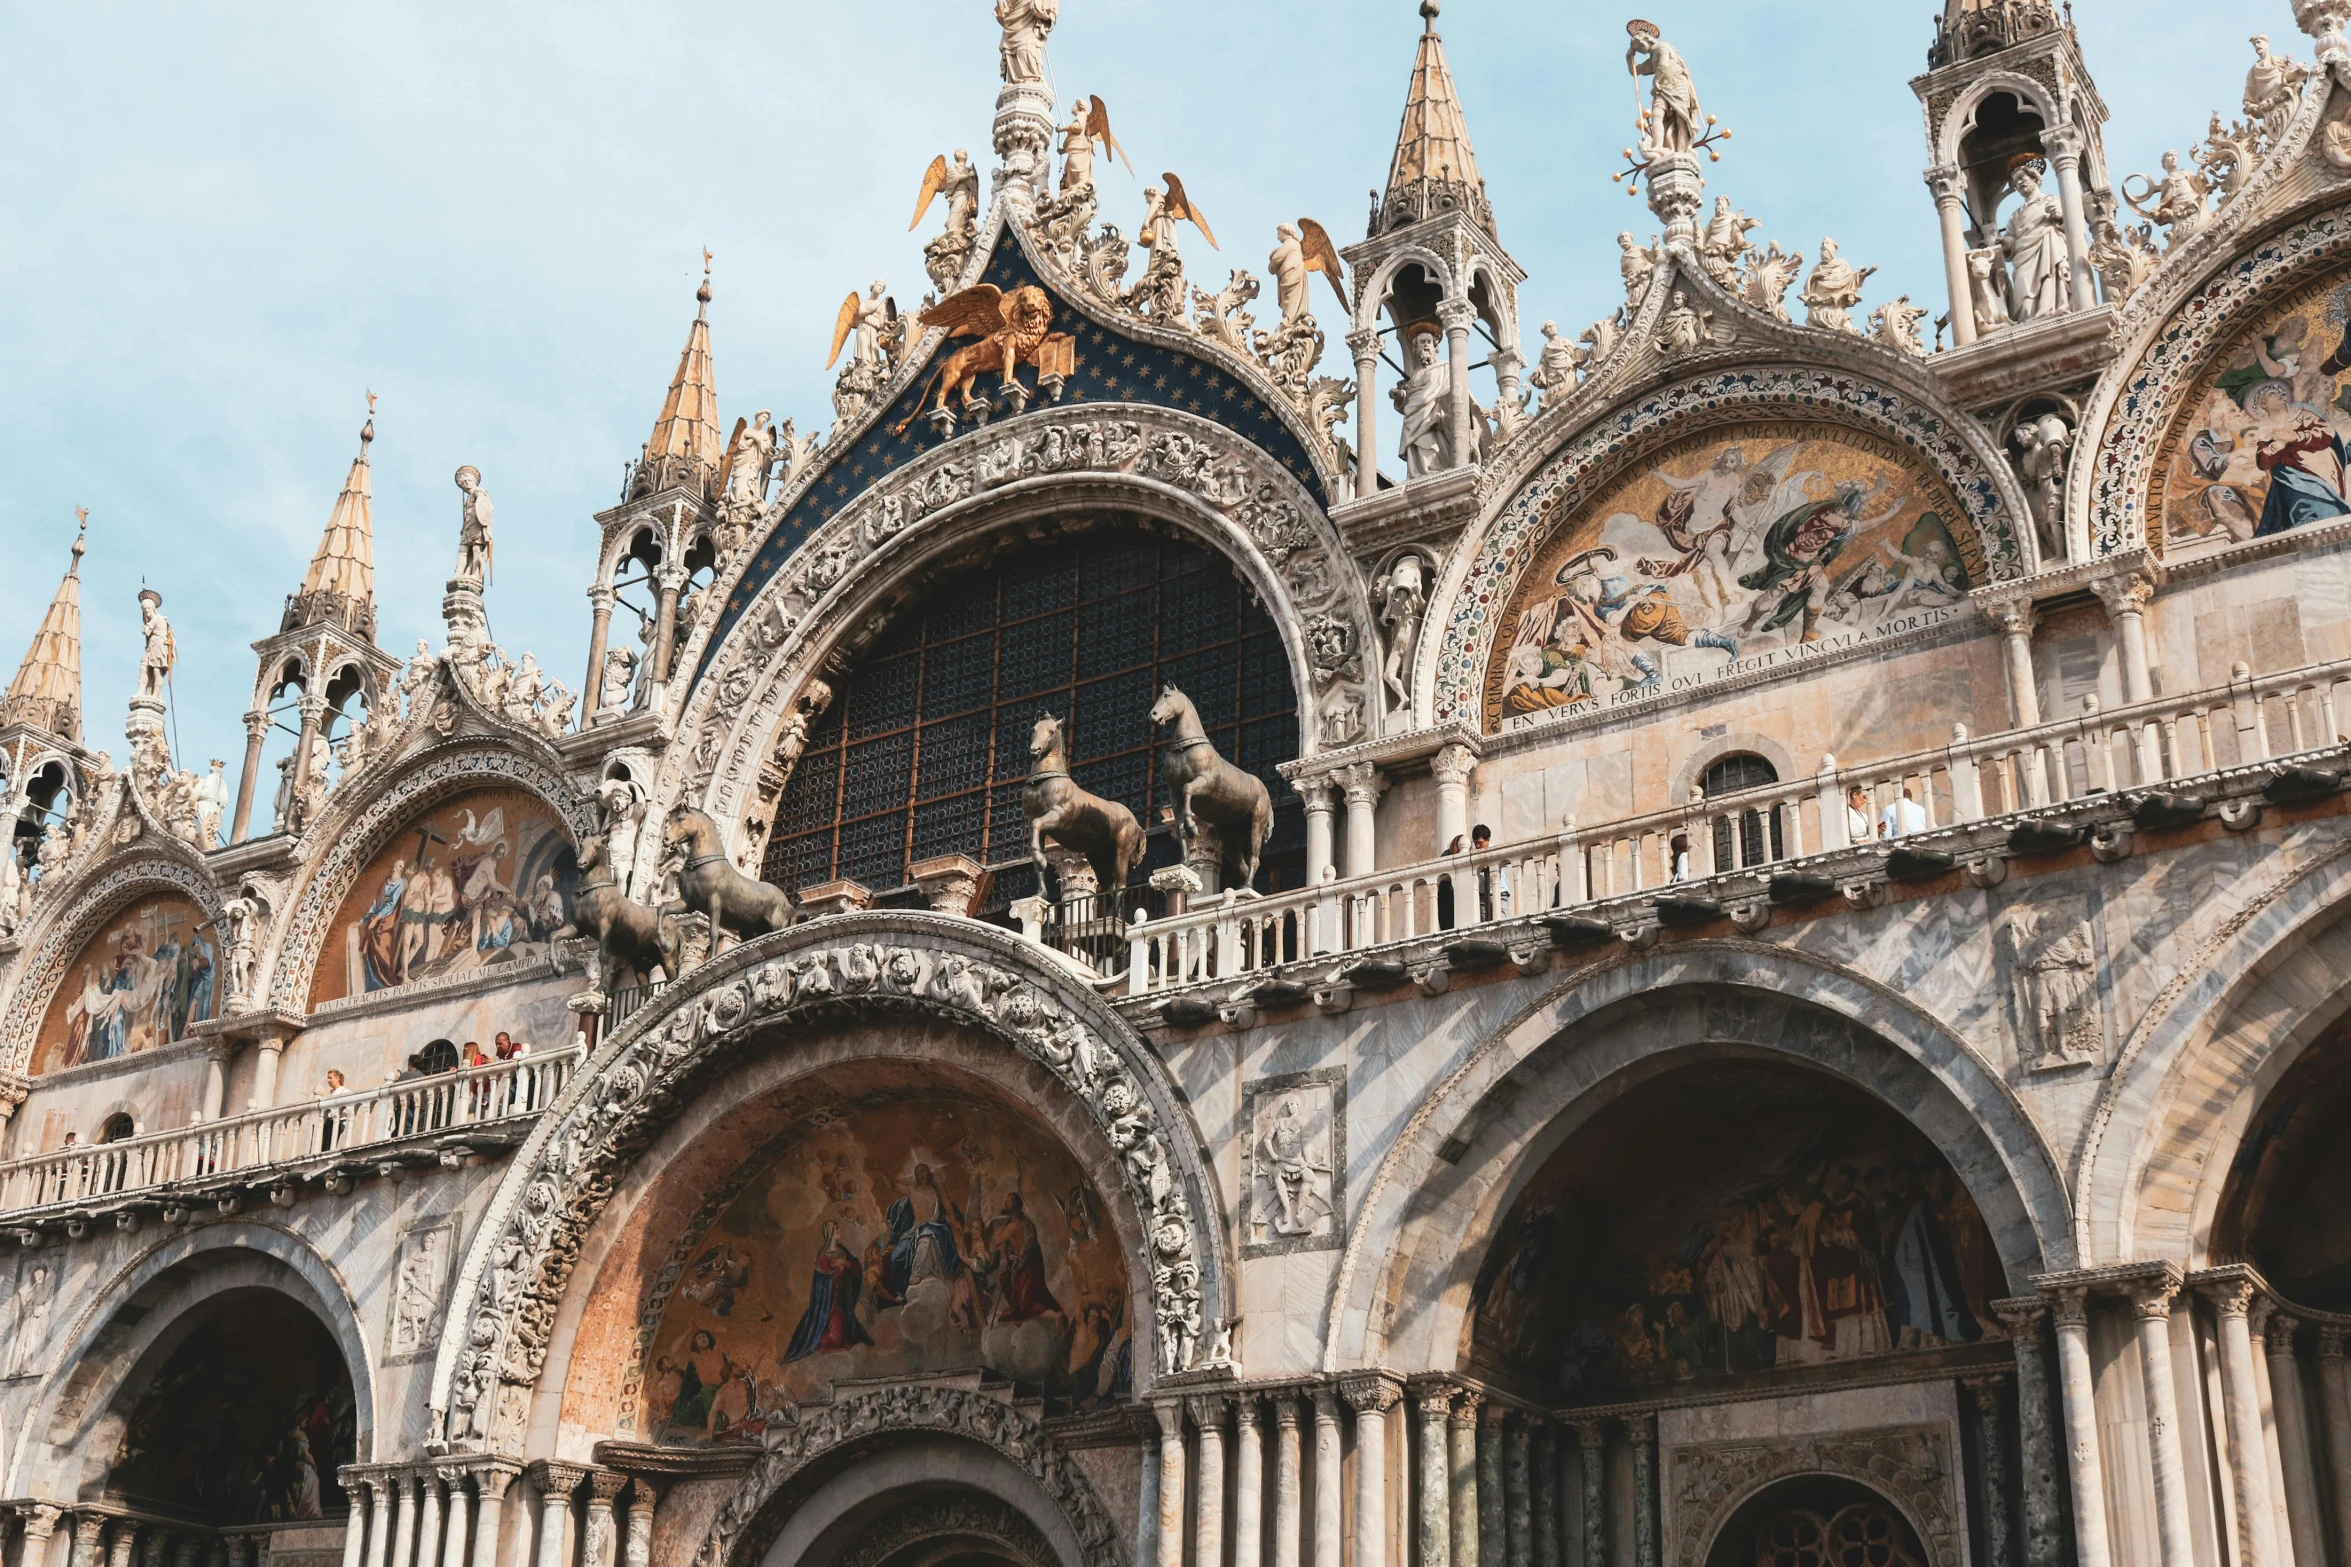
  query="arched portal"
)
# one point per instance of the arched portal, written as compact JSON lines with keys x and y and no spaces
{"x":1817,"y":1521}
{"x":239,"y":1413}
{"x":925,"y":746}
{"x":1730,"y":1222}
{"x":2281,"y":1206}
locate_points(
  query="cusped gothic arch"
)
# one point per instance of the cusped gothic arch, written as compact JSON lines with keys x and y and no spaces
{"x":1455,"y":1165}
{"x":2256,"y":989}
{"x":1372,"y":292}
{"x":356,"y":825}
{"x":494,"y":1346}
{"x":1175,"y":468}
{"x":755,"y":1512}
{"x":74,"y":913}
{"x":1481,"y":580}
{"x":1959,"y":119}
{"x":86,"y":1366}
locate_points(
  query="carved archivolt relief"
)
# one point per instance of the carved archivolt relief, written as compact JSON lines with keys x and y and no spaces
{"x":1912,"y":1466}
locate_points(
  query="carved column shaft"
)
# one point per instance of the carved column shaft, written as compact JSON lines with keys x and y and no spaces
{"x":2064,"y":145}
{"x":1434,"y":1510}
{"x":1171,"y":1484}
{"x":1493,"y":1529}
{"x":2036,"y":1419}
{"x":1371,"y":1398}
{"x":599,"y":637}
{"x":1462,"y":1434}
{"x":2071,"y":1312}
{"x":2302,"y":1505}
{"x":355,"y":1521}
{"x":1208,"y":1483}
{"x":557,"y":1482}
{"x":637,"y":1545}
{"x":1287,"y":1479}
{"x":1365,"y":345}
{"x":1329,"y":1499}
{"x":256,"y":734}
{"x":1456,"y":317}
{"x":120,"y":1541}
{"x":2240,"y":1397}
{"x":2151,"y":1308}
{"x":1518,"y":1497}
{"x":428,"y":1523}
{"x":1545,"y":1484}
{"x":1592,"y":1438}
{"x":1641,"y":1432}
{"x":1992,"y":1427}
{"x":1944,"y":182}
{"x":1248,"y":1485}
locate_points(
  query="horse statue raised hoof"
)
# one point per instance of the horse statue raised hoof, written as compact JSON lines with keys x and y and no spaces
{"x":625,"y":929}
{"x":709,"y":884}
{"x":1204,"y":786}
{"x":1104,"y":831}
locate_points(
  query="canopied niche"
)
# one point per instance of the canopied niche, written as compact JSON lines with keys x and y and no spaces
{"x":245,"y":1420}
{"x":138,"y":982}
{"x":1731,"y":1222}
{"x":2282,"y":1208}
{"x":886,"y":1222}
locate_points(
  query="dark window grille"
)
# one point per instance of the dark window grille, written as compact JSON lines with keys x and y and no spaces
{"x":1729,"y":776}
{"x":924,"y":751}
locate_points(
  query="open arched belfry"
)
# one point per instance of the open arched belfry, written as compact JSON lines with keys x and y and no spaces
{"x":1261,"y":922}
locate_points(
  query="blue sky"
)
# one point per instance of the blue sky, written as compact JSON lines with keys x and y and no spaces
{"x":219,"y":225}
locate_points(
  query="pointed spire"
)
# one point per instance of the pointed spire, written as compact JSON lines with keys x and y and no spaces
{"x":340,"y":585}
{"x":1434,"y":171}
{"x":686,"y":445}
{"x":47,"y":690}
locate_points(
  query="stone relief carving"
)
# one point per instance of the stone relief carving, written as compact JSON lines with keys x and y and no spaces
{"x":1002,"y":1525}
{"x":2054,"y":967}
{"x":1912,"y":1466}
{"x":28,"y":1315}
{"x":578,"y":1153}
{"x":741,"y":1535}
{"x":1293,"y":1199}
{"x":419,"y":1278}
{"x":745,"y":692}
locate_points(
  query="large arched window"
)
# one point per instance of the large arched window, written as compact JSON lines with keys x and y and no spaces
{"x":1758,"y":839}
{"x":926,"y":745}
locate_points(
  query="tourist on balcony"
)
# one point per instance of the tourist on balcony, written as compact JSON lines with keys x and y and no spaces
{"x":1903,"y":817}
{"x":404,"y":1118}
{"x":1493,"y":880}
{"x":1445,"y":888}
{"x":1857,"y":829}
{"x":333,"y":1119}
{"x":1681,"y":857}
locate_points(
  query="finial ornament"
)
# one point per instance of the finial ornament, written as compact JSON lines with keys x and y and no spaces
{"x":1428,"y":13}
{"x":702,"y":294}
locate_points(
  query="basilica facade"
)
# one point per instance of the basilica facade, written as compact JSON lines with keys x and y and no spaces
{"x":1717,"y":941}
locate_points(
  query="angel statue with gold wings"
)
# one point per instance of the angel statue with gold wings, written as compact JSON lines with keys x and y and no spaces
{"x":1087,"y":133}
{"x":874,"y":321}
{"x":1300,"y":248}
{"x":1160,"y":294}
{"x":959,"y":182}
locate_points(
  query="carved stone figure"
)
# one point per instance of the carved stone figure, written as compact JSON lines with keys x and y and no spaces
{"x":1682,"y":327}
{"x":751,"y":457}
{"x":1290,"y":1159}
{"x":1672,"y":123}
{"x":1160,"y":293}
{"x":1404,"y":599}
{"x":158,"y":654}
{"x":1207,"y":788}
{"x":1599,"y":340}
{"x":1013,"y":329}
{"x":1554,"y":374}
{"x":1723,"y":244}
{"x":1989,"y":290}
{"x":2042,"y":446}
{"x":1104,"y":831}
{"x":1299,"y":249}
{"x":2123,"y":258}
{"x":212,"y":799}
{"x":870,"y":325}
{"x":2178,"y":199}
{"x":1424,"y":397}
{"x":1026,"y":24}
{"x":2040,"y":272}
{"x":238,"y":916}
{"x":2057,"y":969}
{"x":473,"y":528}
{"x":640,"y":937}
{"x":620,"y":674}
{"x":2271,"y":87}
{"x":1636,"y":262}
{"x":1833,"y":290}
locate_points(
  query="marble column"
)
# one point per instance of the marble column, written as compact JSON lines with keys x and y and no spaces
{"x":2334,"y":1395}
{"x":2151,"y":1309}
{"x":1365,"y":346}
{"x":1287,"y":1475}
{"x":1433,"y":1505}
{"x":2016,"y":619}
{"x":1371,"y":1398}
{"x":428,"y":1520}
{"x":2070,"y":1310}
{"x":1363,"y":785}
{"x":557,"y":1483}
{"x":1951,"y":208}
{"x":2063,"y":143}
{"x":1493,"y":1533}
{"x":2257,"y":1328}
{"x":490,"y":1483}
{"x":460,"y":1518}
{"x":2240,"y":1397}
{"x":637,"y":1544}
{"x":1462,"y":1430}
{"x":404,"y":1496}
{"x":600,"y":598}
{"x":216,"y":1080}
{"x":240,"y":824}
{"x":1208,"y":1412}
{"x":1592,"y":1438}
{"x":354,"y":1522}
{"x":1248,"y":1485}
{"x":40,"y":1527}
{"x":672,"y":581}
{"x":2126,"y":598}
{"x":2301,"y":1477}
{"x":1518,"y":1502}
{"x":1546,"y":1489}
{"x":1992,"y":1428}
{"x":121,"y":1541}
{"x":1171,"y":1483}
{"x":1330,"y":1515}
{"x":2036,"y":1420}
{"x":1455,"y":315}
{"x":1641,"y":1432}
{"x":1321,"y":800}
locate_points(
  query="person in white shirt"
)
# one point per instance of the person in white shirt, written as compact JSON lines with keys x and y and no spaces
{"x":1493,"y":880}
{"x":1681,"y":857}
{"x":1856,"y":815}
{"x":1903,"y":817}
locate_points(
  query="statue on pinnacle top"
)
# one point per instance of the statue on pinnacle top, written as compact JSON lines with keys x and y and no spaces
{"x":1672,"y":123}
{"x":1026,"y":24}
{"x":473,"y":529}
{"x":158,"y":654}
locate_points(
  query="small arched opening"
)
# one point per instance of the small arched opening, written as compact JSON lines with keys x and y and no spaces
{"x":1817,"y":1521}
{"x":636,"y":588}
{"x":118,"y":1128}
{"x":1751,"y":835}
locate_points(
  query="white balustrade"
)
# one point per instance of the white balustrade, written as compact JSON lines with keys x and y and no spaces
{"x":2162,"y":744}
{"x":426,"y":1107}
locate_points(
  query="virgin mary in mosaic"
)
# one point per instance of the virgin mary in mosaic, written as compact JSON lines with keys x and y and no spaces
{"x":1722,"y":554}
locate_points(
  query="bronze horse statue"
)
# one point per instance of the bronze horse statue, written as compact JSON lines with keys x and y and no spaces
{"x":1104,"y":831}
{"x":624,"y":928}
{"x":1204,"y":786}
{"x":709,"y":884}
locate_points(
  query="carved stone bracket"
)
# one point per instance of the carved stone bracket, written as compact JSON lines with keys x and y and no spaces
{"x":494,"y":1344}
